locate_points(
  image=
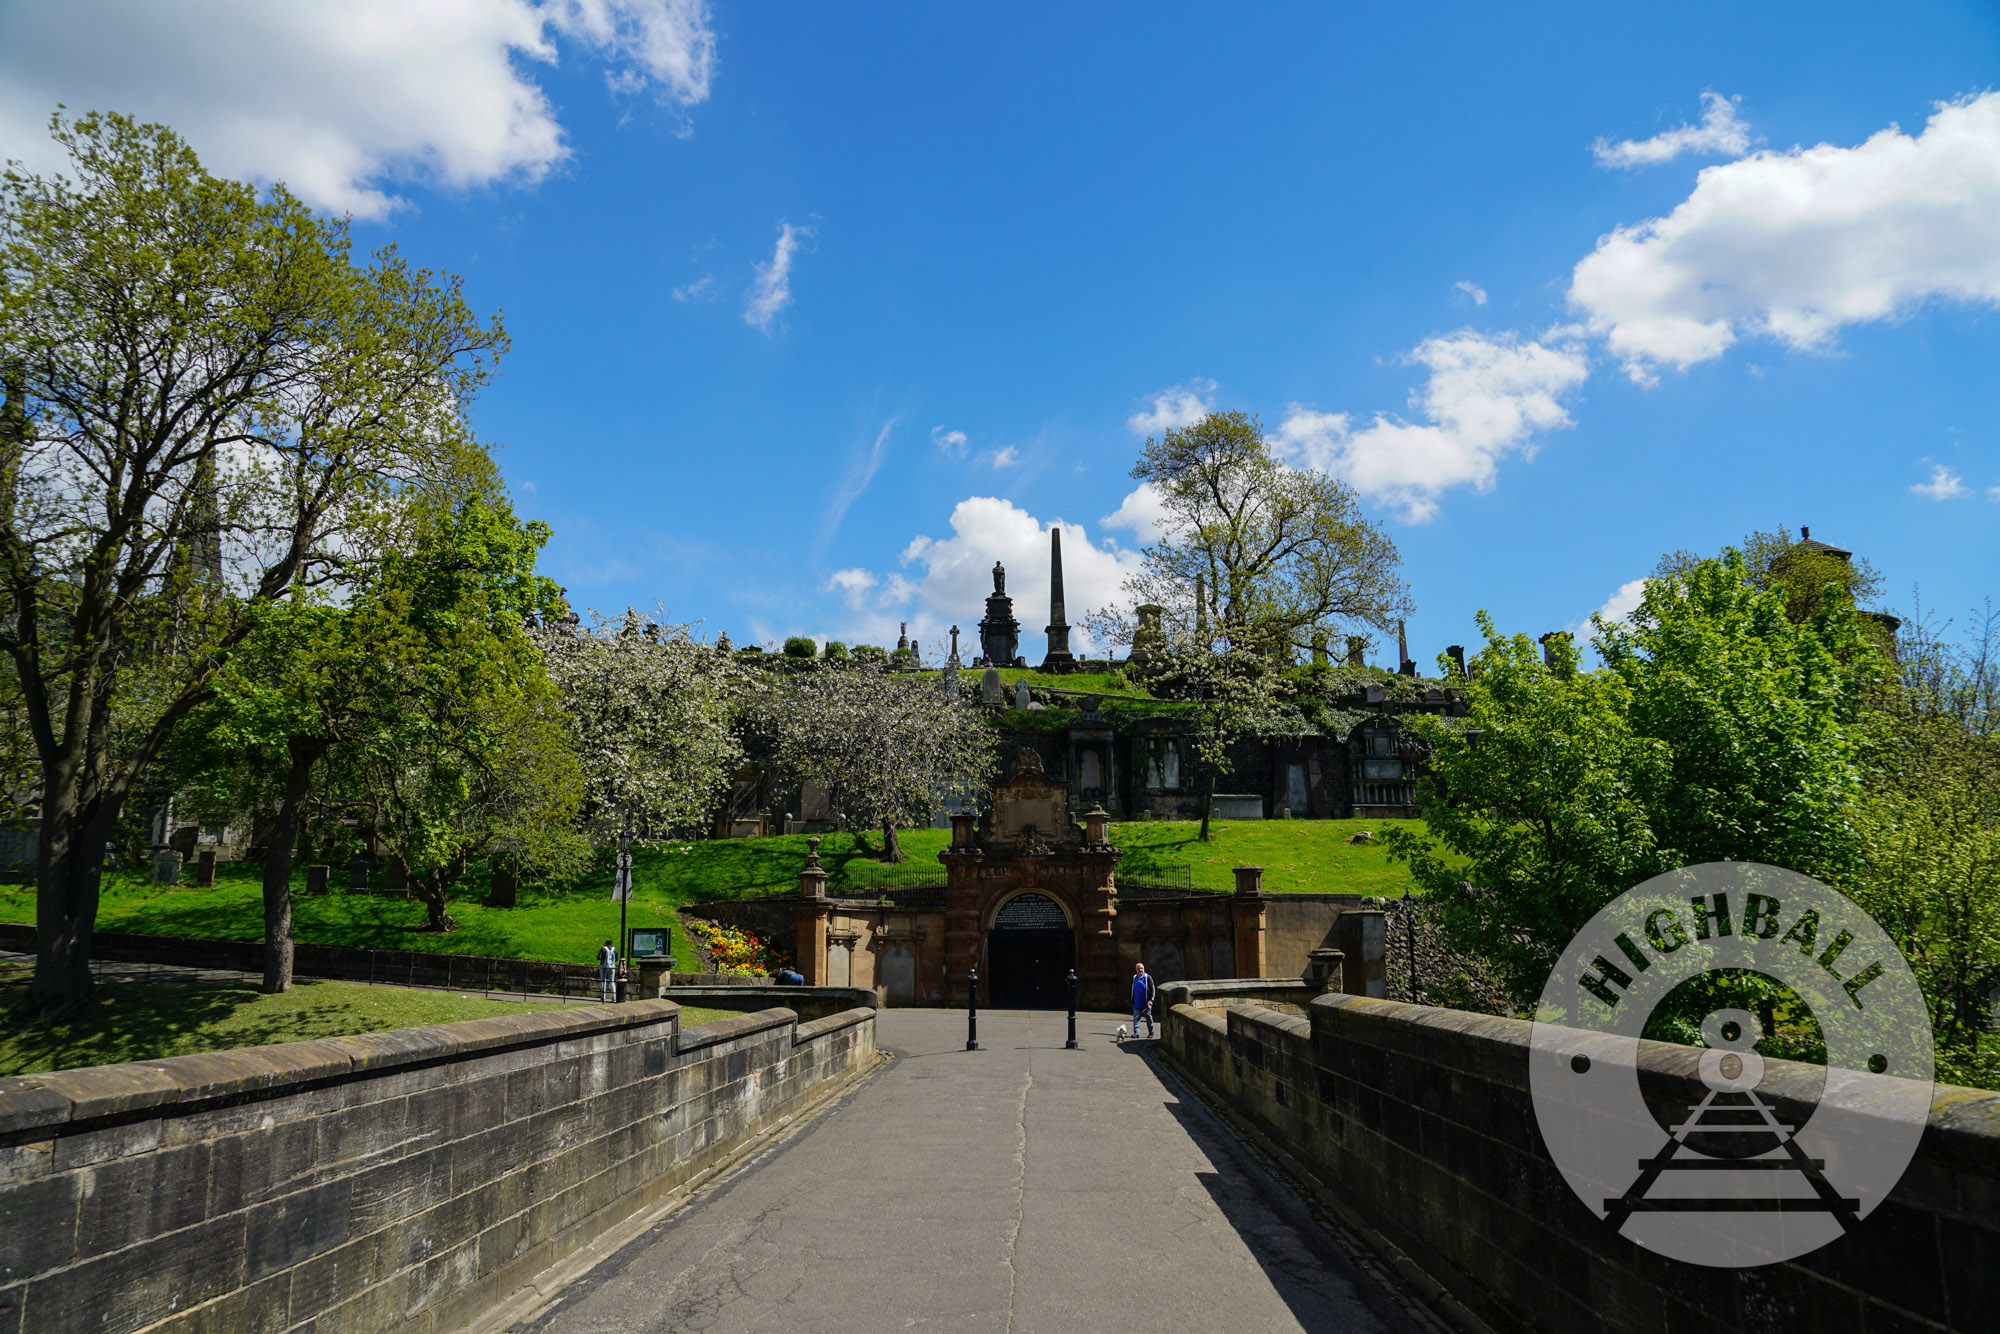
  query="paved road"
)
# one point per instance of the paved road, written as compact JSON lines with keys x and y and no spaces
{"x":1023,"y":1188}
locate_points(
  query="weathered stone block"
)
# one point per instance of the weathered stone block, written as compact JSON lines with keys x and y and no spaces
{"x":38,"y":1225}
{"x":131,"y":1288}
{"x":397,"y":1190}
{"x":358,"y":1134}
{"x":287,"y":1232}
{"x":99,"y":1144}
{"x":128,"y":1200}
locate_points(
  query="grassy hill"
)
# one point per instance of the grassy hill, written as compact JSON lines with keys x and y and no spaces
{"x":568,"y":922}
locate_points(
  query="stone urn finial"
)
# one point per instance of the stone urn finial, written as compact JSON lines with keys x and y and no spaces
{"x":812,"y":852}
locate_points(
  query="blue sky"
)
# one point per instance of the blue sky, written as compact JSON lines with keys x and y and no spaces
{"x":816,"y":313}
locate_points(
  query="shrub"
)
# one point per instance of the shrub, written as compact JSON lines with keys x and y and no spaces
{"x":798,"y":646}
{"x":835,"y":651}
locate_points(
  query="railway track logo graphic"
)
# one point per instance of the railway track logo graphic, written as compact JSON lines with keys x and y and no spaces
{"x":1718,"y":1158}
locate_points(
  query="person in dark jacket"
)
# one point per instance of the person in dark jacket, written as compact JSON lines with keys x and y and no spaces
{"x":789,"y":977}
{"x":1142,"y":999}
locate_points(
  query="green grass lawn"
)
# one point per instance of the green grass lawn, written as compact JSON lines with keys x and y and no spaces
{"x":134,"y":1021}
{"x":569,"y":922}
{"x":1298,"y":856}
{"x":144,"y":1021}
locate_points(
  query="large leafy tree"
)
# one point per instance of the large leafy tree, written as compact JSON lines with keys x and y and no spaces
{"x":1283,"y":556}
{"x":887,"y":748}
{"x":1533,"y":810}
{"x":296,"y":686}
{"x":1758,"y":715}
{"x":1808,"y":576}
{"x":466,"y":750}
{"x":209,"y":405}
{"x":1719,"y":729}
{"x":1932,"y":827}
{"x":649,"y":709}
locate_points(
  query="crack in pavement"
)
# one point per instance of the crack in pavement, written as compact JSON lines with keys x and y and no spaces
{"x":1020,"y":1185}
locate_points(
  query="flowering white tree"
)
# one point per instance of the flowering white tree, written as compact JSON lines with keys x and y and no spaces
{"x":887,"y":748}
{"x":649,"y":710}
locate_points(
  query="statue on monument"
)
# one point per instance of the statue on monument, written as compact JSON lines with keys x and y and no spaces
{"x":999,"y":632}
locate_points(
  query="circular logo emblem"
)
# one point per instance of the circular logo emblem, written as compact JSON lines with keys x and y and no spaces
{"x":1720,"y":1159}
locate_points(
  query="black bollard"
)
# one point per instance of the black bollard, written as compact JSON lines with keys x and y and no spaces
{"x":972,"y":1010}
{"x":1071,"y":1044}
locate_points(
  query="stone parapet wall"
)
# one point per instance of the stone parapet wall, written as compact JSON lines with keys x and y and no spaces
{"x":806,"y":1002}
{"x":1418,"y":1123}
{"x":402,"y":1180}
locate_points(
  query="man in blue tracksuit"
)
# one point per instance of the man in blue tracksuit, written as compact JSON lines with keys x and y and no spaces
{"x":1142,"y":999}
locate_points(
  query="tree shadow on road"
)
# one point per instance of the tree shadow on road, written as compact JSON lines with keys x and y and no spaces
{"x":1315,"y":1275}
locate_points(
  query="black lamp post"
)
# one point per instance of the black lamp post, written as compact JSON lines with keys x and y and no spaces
{"x":1410,"y":920}
{"x":624,"y":899}
{"x":1071,"y":1044}
{"x":972,"y":1010}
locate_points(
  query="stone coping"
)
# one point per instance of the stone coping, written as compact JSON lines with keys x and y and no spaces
{"x":777,"y":996}
{"x":1963,"y":1130}
{"x":1220,"y":993}
{"x":60,"y":1097}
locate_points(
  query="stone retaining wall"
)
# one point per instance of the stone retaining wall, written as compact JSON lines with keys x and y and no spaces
{"x":392,"y":1181}
{"x":1418,"y":1122}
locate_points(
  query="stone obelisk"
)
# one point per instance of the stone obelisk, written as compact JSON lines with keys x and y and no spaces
{"x":1060,"y":659}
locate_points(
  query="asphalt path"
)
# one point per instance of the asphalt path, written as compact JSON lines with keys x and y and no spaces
{"x":1022,"y":1188}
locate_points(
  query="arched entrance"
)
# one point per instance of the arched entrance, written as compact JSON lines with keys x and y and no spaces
{"x":1030,"y":949}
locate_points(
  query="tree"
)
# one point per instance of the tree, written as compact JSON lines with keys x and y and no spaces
{"x":1806,"y":575}
{"x":1759,"y":716}
{"x":888,"y":749}
{"x":1283,"y":555}
{"x":208,"y":406}
{"x":649,"y":709}
{"x":1931,"y":824}
{"x":295,"y":687}
{"x":467,"y":749}
{"x":1718,"y":731}
{"x":1533,"y":817}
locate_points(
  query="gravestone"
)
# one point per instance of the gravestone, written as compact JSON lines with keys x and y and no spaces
{"x":506,"y":883}
{"x":989,"y":688}
{"x":204,"y":868}
{"x":317,"y":878}
{"x":395,"y":877}
{"x":1021,"y":698}
{"x":357,"y":875}
{"x":166,"y":867}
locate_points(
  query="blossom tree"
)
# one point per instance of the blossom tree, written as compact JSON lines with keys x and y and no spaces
{"x":649,"y":709}
{"x":888,"y":748}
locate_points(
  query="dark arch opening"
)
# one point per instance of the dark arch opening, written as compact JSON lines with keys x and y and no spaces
{"x":1029,"y":953}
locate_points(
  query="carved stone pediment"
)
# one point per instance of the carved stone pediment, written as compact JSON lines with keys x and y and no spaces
{"x":1031,"y":808}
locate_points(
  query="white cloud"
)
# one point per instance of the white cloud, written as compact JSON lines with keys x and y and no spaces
{"x":1993,"y":493}
{"x":1142,"y":513}
{"x":1620,"y":605}
{"x":949,"y":578}
{"x":1004,"y":458}
{"x":951,"y":444}
{"x":1466,"y":287}
{"x":1174,"y":408}
{"x":1719,"y":133}
{"x":701,"y":289}
{"x":1794,"y":245}
{"x":860,"y":472}
{"x":1943,"y":485}
{"x":1486,"y":398}
{"x":772,"y":291}
{"x":339,"y":100}
{"x":852,"y":584}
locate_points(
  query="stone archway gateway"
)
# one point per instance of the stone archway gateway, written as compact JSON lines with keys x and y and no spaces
{"x":1030,"y":948}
